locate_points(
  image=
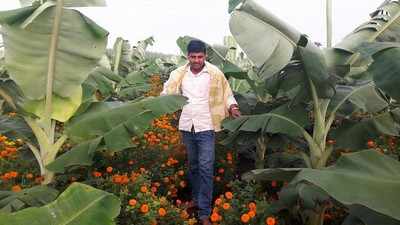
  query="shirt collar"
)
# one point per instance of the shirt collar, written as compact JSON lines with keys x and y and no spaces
{"x":204,"y":70}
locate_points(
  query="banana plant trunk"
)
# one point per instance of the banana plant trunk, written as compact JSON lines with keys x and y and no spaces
{"x":261,"y":149}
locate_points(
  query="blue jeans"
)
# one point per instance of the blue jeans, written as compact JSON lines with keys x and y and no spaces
{"x":200,"y":150}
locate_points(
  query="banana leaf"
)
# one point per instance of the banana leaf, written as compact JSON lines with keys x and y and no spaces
{"x":79,"y":204}
{"x":288,"y":120}
{"x":266,"y":40}
{"x":31,"y":197}
{"x":385,"y":70}
{"x":358,"y":179}
{"x":364,"y":130}
{"x":71,"y":3}
{"x":111,"y":125}
{"x":27,"y":33}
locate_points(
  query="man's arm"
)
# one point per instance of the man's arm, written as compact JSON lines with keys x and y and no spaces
{"x":233,"y":107}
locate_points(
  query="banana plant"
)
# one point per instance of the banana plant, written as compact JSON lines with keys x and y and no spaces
{"x":50,"y":51}
{"x":339,"y":81}
{"x":78,"y":204}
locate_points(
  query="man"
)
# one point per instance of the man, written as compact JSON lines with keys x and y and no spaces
{"x":210,"y":100}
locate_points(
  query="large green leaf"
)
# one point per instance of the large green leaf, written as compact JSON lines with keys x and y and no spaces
{"x":385,"y":70}
{"x":114,"y":125}
{"x":27,"y":42}
{"x":71,"y":3}
{"x":316,"y":70}
{"x":35,"y":196}
{"x":383,"y":26}
{"x":79,"y":204}
{"x":279,"y":120}
{"x":17,"y":127}
{"x":360,"y":179}
{"x":267,"y":41}
{"x":361,"y":131}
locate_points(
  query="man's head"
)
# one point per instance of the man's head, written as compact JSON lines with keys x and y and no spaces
{"x":196,"y":54}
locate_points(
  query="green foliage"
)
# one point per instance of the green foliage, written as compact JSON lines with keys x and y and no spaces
{"x":79,"y":204}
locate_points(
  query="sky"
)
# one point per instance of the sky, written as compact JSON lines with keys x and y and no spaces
{"x":135,"y":20}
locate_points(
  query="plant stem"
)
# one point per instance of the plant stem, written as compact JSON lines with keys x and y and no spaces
{"x":329,"y":23}
{"x":261,"y":150}
{"x":52,"y":68}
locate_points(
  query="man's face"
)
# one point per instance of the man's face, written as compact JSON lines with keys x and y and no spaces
{"x":196,"y":60}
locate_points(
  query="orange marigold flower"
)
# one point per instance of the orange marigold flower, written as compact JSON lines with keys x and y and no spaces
{"x":16,"y":188}
{"x":96,"y":174}
{"x":221,"y":170}
{"x":214,"y":217}
{"x":162,"y":212}
{"x":154,"y":189}
{"x":252,"y":206}
{"x":109,"y":169}
{"x":184,"y":214}
{"x":181,"y":172}
{"x":3,"y":153}
{"x":245,"y":218}
{"x":371,"y":144}
{"x":252,"y":213}
{"x":29,"y":176}
{"x":228,"y":195}
{"x":130,"y":162}
{"x":218,"y":201}
{"x":13,"y":174}
{"x":143,"y":189}
{"x":144,"y":208}
{"x":132,"y":202}
{"x":270,"y":221}
{"x":226,"y":206}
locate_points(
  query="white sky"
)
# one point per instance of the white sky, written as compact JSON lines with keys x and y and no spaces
{"x":166,"y":20}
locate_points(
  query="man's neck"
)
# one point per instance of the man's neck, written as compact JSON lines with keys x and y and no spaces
{"x":196,"y":71}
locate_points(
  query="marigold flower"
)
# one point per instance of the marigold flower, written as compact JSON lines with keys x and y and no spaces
{"x":218,"y":201}
{"x":16,"y":188}
{"x":29,"y":176}
{"x":214,"y":217}
{"x":144,"y":208}
{"x":270,"y":221}
{"x":132,"y":202}
{"x":162,"y":212}
{"x":143,"y":189}
{"x":252,"y":206}
{"x":109,"y":169}
{"x":228,"y":195}
{"x":226,"y":206}
{"x":245,"y":218}
{"x":96,"y":174}
{"x":252,"y":213}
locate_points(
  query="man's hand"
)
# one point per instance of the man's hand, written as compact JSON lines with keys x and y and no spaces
{"x":234,"y":111}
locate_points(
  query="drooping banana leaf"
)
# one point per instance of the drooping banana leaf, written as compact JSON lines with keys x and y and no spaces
{"x":112,"y":125}
{"x":71,"y":3}
{"x":288,"y":121}
{"x":79,"y":204}
{"x":358,"y":179}
{"x":16,"y":127}
{"x":364,"y":130}
{"x":385,"y":70}
{"x":266,"y":40}
{"x":27,"y":33}
{"x":32,"y":197}
{"x":382,"y":27}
